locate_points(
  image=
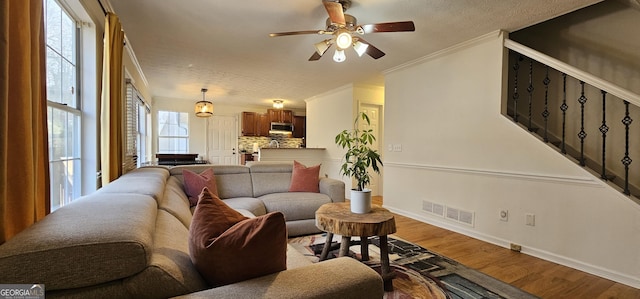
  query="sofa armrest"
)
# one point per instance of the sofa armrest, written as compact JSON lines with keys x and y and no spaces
{"x":333,"y":188}
{"x":336,"y":278}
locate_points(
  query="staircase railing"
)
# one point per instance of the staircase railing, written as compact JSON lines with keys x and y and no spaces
{"x":557,"y":119}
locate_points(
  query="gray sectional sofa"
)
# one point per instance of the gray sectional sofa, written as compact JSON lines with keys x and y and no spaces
{"x":130,"y":240}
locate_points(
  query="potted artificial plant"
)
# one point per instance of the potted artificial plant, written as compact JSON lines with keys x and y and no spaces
{"x":357,"y":160}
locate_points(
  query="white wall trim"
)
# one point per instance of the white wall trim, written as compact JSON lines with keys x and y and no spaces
{"x":542,"y":254}
{"x":330,"y":92}
{"x":134,"y":59}
{"x":455,"y":48}
{"x":500,"y":173}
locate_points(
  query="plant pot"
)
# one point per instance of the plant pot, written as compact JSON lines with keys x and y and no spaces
{"x":361,"y":201}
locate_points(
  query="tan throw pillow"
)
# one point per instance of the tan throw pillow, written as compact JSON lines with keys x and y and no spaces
{"x":304,"y":179}
{"x":250,"y":248}
{"x":194,"y":183}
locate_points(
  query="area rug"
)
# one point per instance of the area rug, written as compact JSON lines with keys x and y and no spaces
{"x":419,"y":272}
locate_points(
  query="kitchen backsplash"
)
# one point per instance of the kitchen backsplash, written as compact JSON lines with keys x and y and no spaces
{"x":246,"y":143}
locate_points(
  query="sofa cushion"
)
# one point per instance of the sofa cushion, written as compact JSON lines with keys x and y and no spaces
{"x":146,"y":180}
{"x":270,"y":177}
{"x":195,"y":182}
{"x":170,"y":271}
{"x":74,"y":246}
{"x":295,"y":205}
{"x":232,"y":180}
{"x":304,"y":179}
{"x":253,"y":205}
{"x":249,"y":249}
{"x":175,"y":201}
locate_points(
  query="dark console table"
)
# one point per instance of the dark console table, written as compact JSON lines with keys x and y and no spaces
{"x":178,"y":159}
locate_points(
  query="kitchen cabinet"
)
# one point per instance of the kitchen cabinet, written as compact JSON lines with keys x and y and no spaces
{"x":263,"y":125}
{"x":280,"y":116}
{"x":255,"y":124}
{"x":244,"y":158}
{"x":299,"y":126}
{"x":249,"y":120}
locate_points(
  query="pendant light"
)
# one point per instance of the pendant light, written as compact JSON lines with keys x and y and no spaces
{"x":204,"y":108}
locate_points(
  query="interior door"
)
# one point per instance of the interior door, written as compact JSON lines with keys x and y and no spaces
{"x":373,"y":111}
{"x":222,"y":142}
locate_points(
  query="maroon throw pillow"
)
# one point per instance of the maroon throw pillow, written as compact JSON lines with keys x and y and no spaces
{"x":251,"y":248}
{"x":305,"y":179}
{"x":212,"y":216}
{"x":194,"y":183}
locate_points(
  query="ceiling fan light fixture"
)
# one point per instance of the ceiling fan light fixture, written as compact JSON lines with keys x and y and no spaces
{"x":322,"y":46}
{"x":339,"y":56}
{"x":360,"y":48}
{"x":343,"y":39}
{"x":204,"y":108}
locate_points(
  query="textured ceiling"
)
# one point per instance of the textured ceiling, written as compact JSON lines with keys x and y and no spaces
{"x":183,"y":46}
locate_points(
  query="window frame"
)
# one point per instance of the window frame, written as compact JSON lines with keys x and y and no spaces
{"x":184,"y":139}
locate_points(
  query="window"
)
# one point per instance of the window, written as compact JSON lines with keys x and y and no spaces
{"x":144,"y":118}
{"x":173,"y":132}
{"x":63,"y":111}
{"x":136,"y":129}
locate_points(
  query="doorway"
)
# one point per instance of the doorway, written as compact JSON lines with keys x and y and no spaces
{"x":222,"y":140}
{"x":373,"y":111}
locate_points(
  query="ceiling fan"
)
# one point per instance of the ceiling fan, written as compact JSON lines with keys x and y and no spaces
{"x":343,"y":28}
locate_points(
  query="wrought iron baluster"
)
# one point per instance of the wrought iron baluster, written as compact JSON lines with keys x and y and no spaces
{"x":516,"y":68}
{"x":530,"y":91}
{"x":564,"y":107}
{"x":626,"y":161}
{"x":545,"y":113}
{"x":582,"y":134}
{"x":604,"y":129}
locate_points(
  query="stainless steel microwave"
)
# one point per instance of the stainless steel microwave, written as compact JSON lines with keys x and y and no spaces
{"x":281,"y":128}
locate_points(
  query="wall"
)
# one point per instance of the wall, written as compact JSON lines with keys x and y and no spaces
{"x":327,"y":115}
{"x":460,"y":152}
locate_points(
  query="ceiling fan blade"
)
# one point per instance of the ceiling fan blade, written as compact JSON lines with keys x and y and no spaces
{"x":388,"y":27}
{"x":372,"y":50}
{"x":296,"y":33}
{"x":336,"y":14}
{"x":317,"y":55}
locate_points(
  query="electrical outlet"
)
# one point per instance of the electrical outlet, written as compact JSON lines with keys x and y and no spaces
{"x":516,"y":247}
{"x":397,"y":147}
{"x":531,"y":219}
{"x":504,"y":215}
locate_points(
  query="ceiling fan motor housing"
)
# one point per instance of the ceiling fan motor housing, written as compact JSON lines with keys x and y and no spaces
{"x":350,"y":23}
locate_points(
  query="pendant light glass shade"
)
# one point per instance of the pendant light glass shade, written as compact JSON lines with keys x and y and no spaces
{"x":204,"y":108}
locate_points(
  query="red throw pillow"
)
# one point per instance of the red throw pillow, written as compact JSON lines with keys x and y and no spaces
{"x":305,"y":179}
{"x":194,"y":183}
{"x":248,"y":249}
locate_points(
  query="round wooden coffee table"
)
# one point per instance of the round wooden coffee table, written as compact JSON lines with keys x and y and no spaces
{"x":336,"y":218}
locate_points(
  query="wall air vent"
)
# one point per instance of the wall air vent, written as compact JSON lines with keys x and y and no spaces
{"x":433,"y":208}
{"x":461,"y":216}
{"x":457,"y":215}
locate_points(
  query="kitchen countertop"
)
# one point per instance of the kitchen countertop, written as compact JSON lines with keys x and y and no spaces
{"x":293,"y":148}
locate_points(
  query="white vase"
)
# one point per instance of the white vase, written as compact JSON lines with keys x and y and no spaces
{"x":361,"y":201}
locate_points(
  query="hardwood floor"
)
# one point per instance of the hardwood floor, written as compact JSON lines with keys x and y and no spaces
{"x":536,"y":276}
